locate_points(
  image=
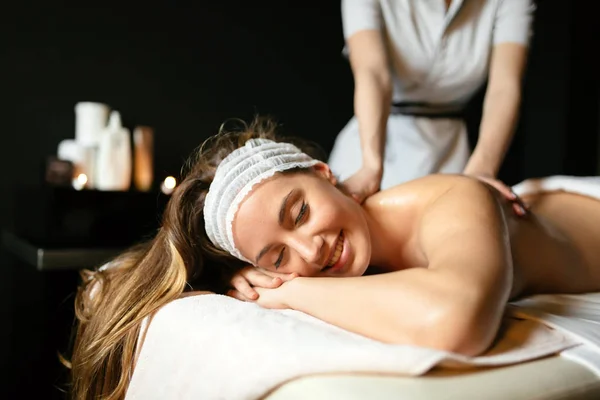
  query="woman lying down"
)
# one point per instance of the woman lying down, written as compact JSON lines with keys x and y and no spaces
{"x":430,"y":263}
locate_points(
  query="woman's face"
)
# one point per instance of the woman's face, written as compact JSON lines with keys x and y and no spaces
{"x":300,"y":222}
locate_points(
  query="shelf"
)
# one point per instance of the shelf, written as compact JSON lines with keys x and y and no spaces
{"x":52,"y":259}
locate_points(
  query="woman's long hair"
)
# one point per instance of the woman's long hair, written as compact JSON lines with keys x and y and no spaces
{"x":111,"y":303}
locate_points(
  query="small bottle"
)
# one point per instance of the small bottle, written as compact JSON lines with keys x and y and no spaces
{"x":83,"y":159}
{"x":90,"y":120}
{"x":113,"y":160}
{"x":143,"y":150}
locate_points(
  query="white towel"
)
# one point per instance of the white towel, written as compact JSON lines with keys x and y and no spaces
{"x":579,"y":315}
{"x":584,"y":185}
{"x":215,"y":347}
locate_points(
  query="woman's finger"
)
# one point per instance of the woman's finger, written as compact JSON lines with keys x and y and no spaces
{"x":236,"y":294}
{"x":240,"y":283}
{"x":289,"y":277}
{"x":284,"y":277}
{"x":261,"y":278}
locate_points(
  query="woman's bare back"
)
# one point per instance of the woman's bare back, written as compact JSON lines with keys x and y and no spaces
{"x":556,"y":249}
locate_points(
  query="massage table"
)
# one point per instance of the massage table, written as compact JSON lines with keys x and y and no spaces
{"x":551,"y":378}
{"x":214,"y":347}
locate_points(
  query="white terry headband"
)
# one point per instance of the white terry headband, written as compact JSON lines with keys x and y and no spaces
{"x":236,"y":175}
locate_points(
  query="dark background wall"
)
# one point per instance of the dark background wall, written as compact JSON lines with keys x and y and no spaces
{"x":184,"y":69}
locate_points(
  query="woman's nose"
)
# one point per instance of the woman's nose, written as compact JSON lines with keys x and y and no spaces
{"x":310,"y":248}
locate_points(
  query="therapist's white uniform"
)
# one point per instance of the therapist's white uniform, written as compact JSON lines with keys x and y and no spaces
{"x":439,"y":58}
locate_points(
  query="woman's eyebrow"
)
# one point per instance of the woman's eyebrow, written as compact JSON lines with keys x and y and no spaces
{"x":282,"y":209}
{"x":284,"y":206}
{"x":262,"y":253}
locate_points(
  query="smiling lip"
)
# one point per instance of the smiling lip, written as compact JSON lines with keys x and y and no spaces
{"x":342,"y":256}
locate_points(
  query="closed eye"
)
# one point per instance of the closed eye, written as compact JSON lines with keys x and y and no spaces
{"x":279,"y":259}
{"x":302,"y":212}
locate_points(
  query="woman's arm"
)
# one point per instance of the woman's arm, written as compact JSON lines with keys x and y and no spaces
{"x":455,"y":304}
{"x":501,"y":107}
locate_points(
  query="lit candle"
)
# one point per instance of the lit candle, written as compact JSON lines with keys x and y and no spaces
{"x":80,"y":181}
{"x":168,"y":185}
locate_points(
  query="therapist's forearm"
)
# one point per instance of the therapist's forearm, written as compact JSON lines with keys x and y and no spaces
{"x":372,"y":98}
{"x":500,"y":115}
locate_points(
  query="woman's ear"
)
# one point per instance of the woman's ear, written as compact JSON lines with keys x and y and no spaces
{"x":324,"y":171}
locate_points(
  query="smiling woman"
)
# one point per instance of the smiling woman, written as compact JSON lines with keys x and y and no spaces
{"x":448,"y":250}
{"x":304,"y":224}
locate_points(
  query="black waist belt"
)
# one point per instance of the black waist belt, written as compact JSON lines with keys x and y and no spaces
{"x":419,"y":109}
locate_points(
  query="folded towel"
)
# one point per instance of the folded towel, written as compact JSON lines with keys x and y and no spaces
{"x":584,"y":185}
{"x":216,"y":347}
{"x":577,"y":316}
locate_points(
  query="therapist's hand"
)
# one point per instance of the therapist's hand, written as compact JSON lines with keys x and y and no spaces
{"x":365,"y":182}
{"x":519,"y":207}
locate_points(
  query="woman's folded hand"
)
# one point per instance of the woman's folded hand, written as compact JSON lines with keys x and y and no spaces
{"x":248,"y":282}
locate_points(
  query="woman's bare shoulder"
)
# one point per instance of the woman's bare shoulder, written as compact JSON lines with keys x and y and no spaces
{"x":413,"y":200}
{"x":426,"y":189}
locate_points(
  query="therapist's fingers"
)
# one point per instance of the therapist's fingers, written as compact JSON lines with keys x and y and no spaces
{"x":504,"y":190}
{"x":520,"y":207}
{"x":362,"y":184}
{"x":500,"y":186}
{"x":358,"y":197}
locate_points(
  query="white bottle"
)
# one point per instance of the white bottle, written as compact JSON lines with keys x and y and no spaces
{"x":113,"y":160}
{"x":90,"y":120}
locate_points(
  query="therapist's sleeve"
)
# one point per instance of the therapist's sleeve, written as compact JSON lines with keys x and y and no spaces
{"x":358,"y":15}
{"x":513,"y":22}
